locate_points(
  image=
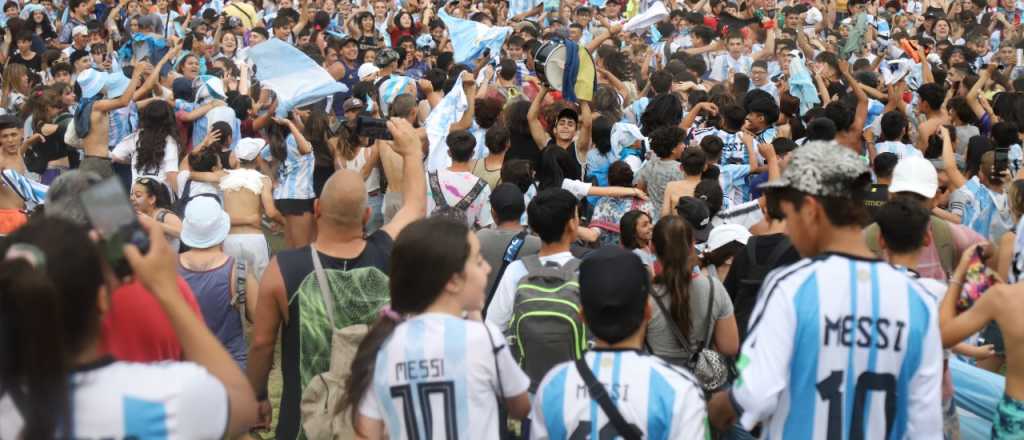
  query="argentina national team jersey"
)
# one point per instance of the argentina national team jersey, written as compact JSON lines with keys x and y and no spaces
{"x":435,"y":378}
{"x":842,"y":348}
{"x":733,"y":148}
{"x":662,"y":400}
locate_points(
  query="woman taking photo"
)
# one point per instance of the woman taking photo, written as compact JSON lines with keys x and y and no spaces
{"x":680,"y":298}
{"x":69,"y":389}
{"x":426,"y":311}
{"x":290,"y":159}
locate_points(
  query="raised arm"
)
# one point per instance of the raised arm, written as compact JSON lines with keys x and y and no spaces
{"x":469,"y":86}
{"x":106,"y":105}
{"x":414,"y":185}
{"x":583,"y":142}
{"x":300,"y":140}
{"x":540,"y":137}
{"x":861,"y":114}
{"x":973,"y":95}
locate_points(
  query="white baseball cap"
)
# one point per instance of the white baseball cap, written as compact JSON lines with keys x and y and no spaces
{"x":366,"y":70}
{"x":722,"y":235}
{"x":916,"y":175}
{"x":248,"y":148}
{"x":205,"y":224}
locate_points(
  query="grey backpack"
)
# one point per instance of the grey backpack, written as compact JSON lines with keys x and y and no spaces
{"x":546,"y":328}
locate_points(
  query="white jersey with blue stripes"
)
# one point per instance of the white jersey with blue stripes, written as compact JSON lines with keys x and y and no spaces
{"x":662,"y":400}
{"x":842,"y":348}
{"x":435,"y":378}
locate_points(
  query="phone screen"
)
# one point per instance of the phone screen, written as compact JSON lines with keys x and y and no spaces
{"x":111,"y":214}
{"x":977,"y":280}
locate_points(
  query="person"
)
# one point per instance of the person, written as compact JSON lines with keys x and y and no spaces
{"x":636,"y":230}
{"x":151,"y":198}
{"x":69,"y":386}
{"x":214,"y":276}
{"x":679,"y":298}
{"x":153,"y":149}
{"x":693,"y":162}
{"x":655,"y":175}
{"x":800,"y":314}
{"x":247,"y":193}
{"x":608,"y":211}
{"x":507,"y":207}
{"x":291,"y":157}
{"x":12,"y":205}
{"x":553,"y":215}
{"x":999,"y":304}
{"x":660,"y":400}
{"x":355,"y":265}
{"x":883,"y":166}
{"x":474,"y":366}
{"x":451,"y":187}
{"x":489,"y":168}
{"x":724,"y":243}
{"x":570,"y":131}
{"x":92,"y":118}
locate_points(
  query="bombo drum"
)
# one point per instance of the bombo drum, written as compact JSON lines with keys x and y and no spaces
{"x":549,"y":60}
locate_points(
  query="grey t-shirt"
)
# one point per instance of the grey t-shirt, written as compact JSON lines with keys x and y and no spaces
{"x":657,"y":173}
{"x":660,"y":337}
{"x":493,"y":243}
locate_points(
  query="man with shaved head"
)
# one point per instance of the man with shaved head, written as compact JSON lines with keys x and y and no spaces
{"x":354,"y":268}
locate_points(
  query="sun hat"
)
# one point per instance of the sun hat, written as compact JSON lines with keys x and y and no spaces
{"x":205,"y":224}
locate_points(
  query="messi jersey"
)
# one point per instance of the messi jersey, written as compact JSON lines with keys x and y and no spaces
{"x":663,"y":401}
{"x":435,"y":378}
{"x":842,"y":348}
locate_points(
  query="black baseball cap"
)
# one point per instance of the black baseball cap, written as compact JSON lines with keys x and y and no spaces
{"x":695,"y":211}
{"x":568,"y":113}
{"x":614,"y":285}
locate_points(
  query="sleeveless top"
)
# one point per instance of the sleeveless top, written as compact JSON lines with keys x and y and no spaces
{"x":492,"y":177}
{"x":212,"y":289}
{"x":373,"y":181}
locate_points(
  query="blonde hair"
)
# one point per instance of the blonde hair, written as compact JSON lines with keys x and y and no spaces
{"x":12,"y":82}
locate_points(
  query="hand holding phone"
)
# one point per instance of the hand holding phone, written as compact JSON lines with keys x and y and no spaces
{"x":155,"y":264}
{"x":111,"y":215}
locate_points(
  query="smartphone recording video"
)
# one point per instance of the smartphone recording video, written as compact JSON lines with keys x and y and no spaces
{"x":372,"y":128}
{"x":111,"y":214}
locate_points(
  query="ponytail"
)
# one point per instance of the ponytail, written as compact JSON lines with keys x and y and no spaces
{"x":672,"y":240}
{"x":34,"y":368}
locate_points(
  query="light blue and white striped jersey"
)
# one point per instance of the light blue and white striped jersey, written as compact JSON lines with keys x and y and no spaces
{"x":984,"y":211}
{"x":725,"y":64}
{"x":295,"y":175}
{"x":435,"y":378}
{"x":662,"y":400}
{"x":900,"y":149}
{"x":733,"y":148}
{"x":735,"y":187}
{"x":842,"y":347}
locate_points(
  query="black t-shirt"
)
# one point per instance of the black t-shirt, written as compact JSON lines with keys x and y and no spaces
{"x":743,"y":303}
{"x":53,"y":148}
{"x":522,"y":146}
{"x":875,"y":198}
{"x":34,"y":65}
{"x":304,"y":350}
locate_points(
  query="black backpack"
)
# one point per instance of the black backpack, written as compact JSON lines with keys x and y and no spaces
{"x":186,"y":196}
{"x":750,"y":283}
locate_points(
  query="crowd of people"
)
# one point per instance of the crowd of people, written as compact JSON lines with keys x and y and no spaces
{"x":515,"y":219}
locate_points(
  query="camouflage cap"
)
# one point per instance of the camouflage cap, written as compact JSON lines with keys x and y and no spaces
{"x":823,"y":169}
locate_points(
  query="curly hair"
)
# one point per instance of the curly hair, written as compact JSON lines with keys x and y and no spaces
{"x":156,"y":124}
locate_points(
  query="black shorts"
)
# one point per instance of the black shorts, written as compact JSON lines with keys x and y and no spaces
{"x":294,"y":206}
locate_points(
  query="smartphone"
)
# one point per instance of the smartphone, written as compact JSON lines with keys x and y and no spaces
{"x":1002,"y":161}
{"x":372,"y":128}
{"x":977,"y":280}
{"x":111,"y":214}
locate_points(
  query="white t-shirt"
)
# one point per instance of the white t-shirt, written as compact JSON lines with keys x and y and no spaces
{"x":170,"y":400}
{"x":457,"y":185}
{"x":436,"y":375}
{"x":127,"y":148}
{"x":500,"y":311}
{"x":725,"y":64}
{"x":836,"y":341}
{"x":197,"y":186}
{"x":662,"y":400}
{"x":900,"y":149}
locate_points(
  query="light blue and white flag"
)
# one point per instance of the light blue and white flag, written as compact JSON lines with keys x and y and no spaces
{"x":447,"y":112}
{"x":800,"y":83}
{"x":470,"y":38}
{"x":32,"y":192}
{"x":516,"y":7}
{"x":292,"y":75}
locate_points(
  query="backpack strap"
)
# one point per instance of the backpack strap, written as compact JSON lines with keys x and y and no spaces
{"x":570,"y":268}
{"x":435,"y":191}
{"x":321,"y":279}
{"x":942,"y":237}
{"x":161,"y":215}
{"x":511,"y":252}
{"x":707,"y":314}
{"x":532,"y":263}
{"x":186,"y":191}
{"x":672,"y":326}
{"x":598,"y":392}
{"x":239,"y":300}
{"x":473,"y":194}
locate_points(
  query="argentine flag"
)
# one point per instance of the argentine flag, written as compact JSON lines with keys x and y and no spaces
{"x":447,"y":112}
{"x":470,"y":38}
{"x":292,"y":75}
